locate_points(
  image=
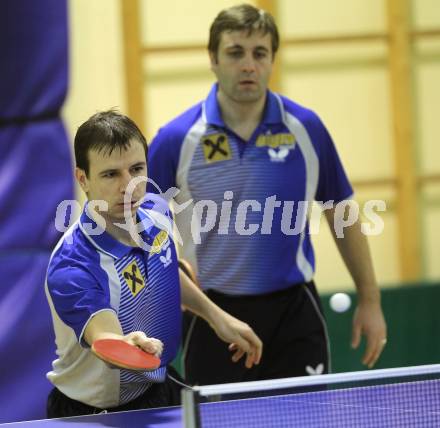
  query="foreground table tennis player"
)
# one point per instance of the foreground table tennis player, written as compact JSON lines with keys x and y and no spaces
{"x":114,"y":276}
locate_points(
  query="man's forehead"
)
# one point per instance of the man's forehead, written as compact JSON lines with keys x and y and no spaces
{"x":102,"y":158}
{"x":105,"y":150}
{"x":245,"y":38}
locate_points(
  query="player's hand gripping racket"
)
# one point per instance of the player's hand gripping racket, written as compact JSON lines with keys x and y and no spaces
{"x":123,"y":355}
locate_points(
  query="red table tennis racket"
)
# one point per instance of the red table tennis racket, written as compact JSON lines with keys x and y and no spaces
{"x":121,"y":354}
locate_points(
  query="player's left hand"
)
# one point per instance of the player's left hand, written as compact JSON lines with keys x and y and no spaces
{"x":240,"y":336}
{"x":368,"y":320}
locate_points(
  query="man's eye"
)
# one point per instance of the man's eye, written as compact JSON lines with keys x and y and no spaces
{"x":235,"y":54}
{"x":138,"y":169}
{"x":260,"y":55}
{"x":109,"y":175}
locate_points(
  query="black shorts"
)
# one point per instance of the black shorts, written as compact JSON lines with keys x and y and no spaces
{"x":162,"y":394}
{"x":289,"y":322}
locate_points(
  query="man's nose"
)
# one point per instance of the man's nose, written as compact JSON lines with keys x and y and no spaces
{"x":248,"y":65}
{"x":125,"y":179}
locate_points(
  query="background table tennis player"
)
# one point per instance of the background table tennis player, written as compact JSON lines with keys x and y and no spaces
{"x":360,"y":407}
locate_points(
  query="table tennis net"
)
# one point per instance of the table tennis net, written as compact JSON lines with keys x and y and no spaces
{"x":402,"y":397}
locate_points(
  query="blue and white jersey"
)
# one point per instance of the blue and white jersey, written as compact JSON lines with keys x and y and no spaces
{"x":90,"y":272}
{"x":246,"y":228}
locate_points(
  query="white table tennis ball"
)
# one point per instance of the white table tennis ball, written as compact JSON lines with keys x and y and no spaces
{"x":340,"y":302}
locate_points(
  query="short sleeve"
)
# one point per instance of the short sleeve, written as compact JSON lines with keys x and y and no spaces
{"x":162,"y":163}
{"x":333,"y":183}
{"x":76,"y":296}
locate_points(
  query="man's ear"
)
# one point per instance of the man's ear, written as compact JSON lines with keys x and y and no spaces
{"x":81,"y":177}
{"x":213,"y":59}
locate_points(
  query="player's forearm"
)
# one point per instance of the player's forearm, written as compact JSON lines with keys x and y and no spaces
{"x":239,"y":335}
{"x":104,"y":325}
{"x":355,"y":252}
{"x":195,"y":300}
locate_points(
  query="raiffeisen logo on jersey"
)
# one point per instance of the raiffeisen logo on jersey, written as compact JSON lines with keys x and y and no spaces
{"x":216,"y":148}
{"x":133,"y":278}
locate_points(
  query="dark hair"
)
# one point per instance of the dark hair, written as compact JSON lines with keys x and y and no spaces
{"x":243,"y":17}
{"x":105,"y":131}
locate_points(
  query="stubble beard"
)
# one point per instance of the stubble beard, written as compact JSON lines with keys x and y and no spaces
{"x":247,"y":96}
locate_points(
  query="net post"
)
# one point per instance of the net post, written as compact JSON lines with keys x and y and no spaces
{"x":190,"y":406}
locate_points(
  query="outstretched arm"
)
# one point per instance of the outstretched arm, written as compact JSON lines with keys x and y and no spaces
{"x":368,"y":318}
